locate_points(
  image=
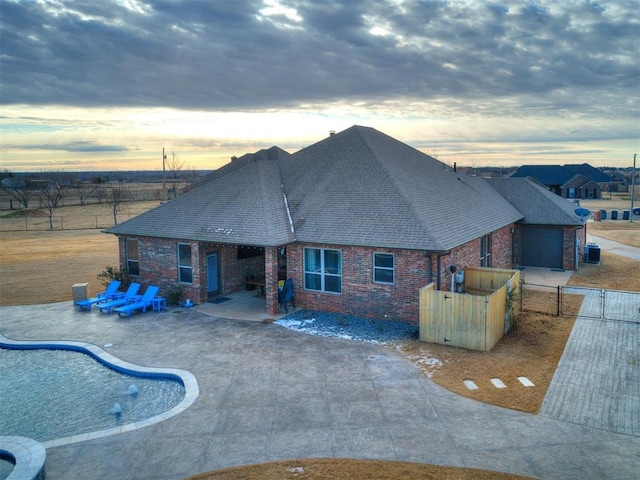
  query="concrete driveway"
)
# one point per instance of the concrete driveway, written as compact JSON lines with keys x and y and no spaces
{"x":269,"y":393}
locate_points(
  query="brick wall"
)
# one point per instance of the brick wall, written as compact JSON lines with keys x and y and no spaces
{"x":360,"y":294}
{"x":413,"y":270}
{"x":158,"y":264}
{"x":468,"y":254}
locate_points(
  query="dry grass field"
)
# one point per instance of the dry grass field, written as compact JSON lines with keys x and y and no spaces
{"x":40,"y":267}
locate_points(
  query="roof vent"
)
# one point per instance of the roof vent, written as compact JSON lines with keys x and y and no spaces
{"x":332,"y":133}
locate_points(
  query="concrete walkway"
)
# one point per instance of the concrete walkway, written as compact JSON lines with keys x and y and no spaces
{"x":597,"y":382}
{"x":615,"y":247}
{"x":268,"y":393}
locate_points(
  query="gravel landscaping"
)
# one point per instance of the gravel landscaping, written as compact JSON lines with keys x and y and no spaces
{"x":349,"y":327}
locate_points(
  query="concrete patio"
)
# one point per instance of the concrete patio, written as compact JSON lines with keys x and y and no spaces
{"x":267,"y":393}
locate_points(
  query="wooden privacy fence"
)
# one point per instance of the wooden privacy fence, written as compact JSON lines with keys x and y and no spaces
{"x":475,"y":319}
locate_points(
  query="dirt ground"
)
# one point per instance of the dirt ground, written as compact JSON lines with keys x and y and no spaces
{"x":342,"y":469}
{"x":41,"y":267}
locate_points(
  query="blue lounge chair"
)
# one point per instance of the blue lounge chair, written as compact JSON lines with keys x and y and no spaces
{"x":130,"y":296}
{"x":143,"y":303}
{"x":109,"y":294}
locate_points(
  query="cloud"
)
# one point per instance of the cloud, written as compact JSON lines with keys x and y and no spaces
{"x":76,"y":147}
{"x":253,"y":55}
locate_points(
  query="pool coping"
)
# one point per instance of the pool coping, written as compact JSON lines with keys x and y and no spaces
{"x":28,"y":457}
{"x":187,"y":379}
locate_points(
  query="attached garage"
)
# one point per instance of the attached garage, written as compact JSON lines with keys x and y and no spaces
{"x":541,"y":246}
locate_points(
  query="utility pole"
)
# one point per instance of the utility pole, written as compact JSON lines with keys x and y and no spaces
{"x":633,"y":186}
{"x":164,"y":177}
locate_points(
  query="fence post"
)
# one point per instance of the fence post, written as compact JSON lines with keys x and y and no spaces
{"x":96,"y":222}
{"x":26,"y":222}
{"x":603,"y":298}
{"x":558,"y":300}
{"x":61,"y":222}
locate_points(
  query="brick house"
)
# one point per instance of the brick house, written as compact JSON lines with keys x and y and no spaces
{"x":569,"y":181}
{"x":360,"y":221}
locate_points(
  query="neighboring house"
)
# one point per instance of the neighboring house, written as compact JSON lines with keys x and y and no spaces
{"x":360,"y":221}
{"x":569,"y":181}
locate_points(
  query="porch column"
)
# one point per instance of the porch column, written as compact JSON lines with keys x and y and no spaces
{"x":271,"y":279}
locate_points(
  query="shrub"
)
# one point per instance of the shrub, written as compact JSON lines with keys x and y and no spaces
{"x":174,"y":294}
{"x":113,"y":273}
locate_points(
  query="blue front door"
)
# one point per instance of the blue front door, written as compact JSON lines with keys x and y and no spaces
{"x":213,"y":282}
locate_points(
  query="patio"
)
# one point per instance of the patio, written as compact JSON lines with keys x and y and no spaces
{"x":268,"y":393}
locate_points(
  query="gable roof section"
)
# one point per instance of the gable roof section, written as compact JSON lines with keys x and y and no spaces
{"x":538,"y":205}
{"x":273,"y":153}
{"x":592,"y":173}
{"x":362,"y":187}
{"x":243,"y":206}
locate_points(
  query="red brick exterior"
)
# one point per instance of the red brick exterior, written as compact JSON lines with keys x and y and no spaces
{"x":158,"y":265}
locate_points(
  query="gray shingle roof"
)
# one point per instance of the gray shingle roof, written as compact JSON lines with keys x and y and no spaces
{"x":357,"y":187}
{"x":243,"y":207}
{"x":538,"y":205}
{"x":362,"y":187}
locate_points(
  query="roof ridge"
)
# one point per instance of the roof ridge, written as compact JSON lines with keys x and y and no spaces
{"x":393,"y":181}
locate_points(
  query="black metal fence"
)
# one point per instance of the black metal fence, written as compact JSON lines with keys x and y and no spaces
{"x":597,"y":303}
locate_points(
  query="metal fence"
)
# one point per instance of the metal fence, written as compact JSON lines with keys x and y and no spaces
{"x":617,"y":305}
{"x":60,"y":222}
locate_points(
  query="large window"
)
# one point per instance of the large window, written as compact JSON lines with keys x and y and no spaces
{"x":383,"y":267}
{"x":485,"y":251}
{"x":133,"y":263}
{"x":323,"y":270}
{"x":185,"y":273}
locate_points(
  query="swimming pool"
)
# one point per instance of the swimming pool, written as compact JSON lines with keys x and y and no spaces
{"x":73,"y":398}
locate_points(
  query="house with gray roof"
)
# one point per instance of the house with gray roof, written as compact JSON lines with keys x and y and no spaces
{"x":359,"y":220}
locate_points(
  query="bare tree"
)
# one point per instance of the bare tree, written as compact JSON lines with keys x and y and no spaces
{"x":20,"y":189}
{"x":172,"y":176}
{"x":83,"y":190}
{"x":116,"y":196}
{"x":51,"y":193}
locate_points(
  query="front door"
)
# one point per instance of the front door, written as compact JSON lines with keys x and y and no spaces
{"x":213,"y":280}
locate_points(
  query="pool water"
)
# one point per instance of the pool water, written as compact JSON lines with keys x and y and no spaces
{"x":6,"y":467}
{"x":50,"y":394}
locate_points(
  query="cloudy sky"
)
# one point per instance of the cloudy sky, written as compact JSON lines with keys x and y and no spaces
{"x":103,"y":85}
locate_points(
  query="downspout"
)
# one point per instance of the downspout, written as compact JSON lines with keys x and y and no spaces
{"x":576,"y":241}
{"x":439,"y":263}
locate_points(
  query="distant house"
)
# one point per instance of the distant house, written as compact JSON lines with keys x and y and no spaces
{"x":360,"y":221}
{"x":569,"y":181}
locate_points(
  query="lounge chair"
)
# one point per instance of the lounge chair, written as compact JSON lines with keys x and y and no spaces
{"x":130,"y":296}
{"x":285,"y":294}
{"x":109,"y":294}
{"x":146,"y":301}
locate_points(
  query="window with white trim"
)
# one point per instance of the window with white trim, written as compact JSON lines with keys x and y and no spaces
{"x":185,"y":271}
{"x":133,"y":262}
{"x":383,"y":267}
{"x":323,"y":270}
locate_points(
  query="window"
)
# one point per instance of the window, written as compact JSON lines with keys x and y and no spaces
{"x":485,"y":251}
{"x":323,"y":270}
{"x":133,"y":264}
{"x":185,"y":273}
{"x":383,"y":266}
